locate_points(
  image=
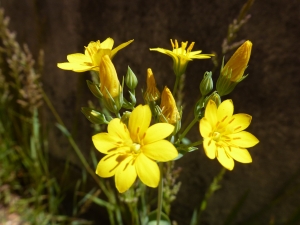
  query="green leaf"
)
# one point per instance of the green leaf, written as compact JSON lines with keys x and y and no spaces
{"x":164,"y":219}
{"x":95,"y":89}
{"x":235,"y":210}
{"x":63,"y":129}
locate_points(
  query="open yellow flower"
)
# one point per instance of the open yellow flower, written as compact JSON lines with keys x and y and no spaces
{"x":133,"y":151}
{"x":92,"y":56}
{"x":181,"y":56}
{"x":224,"y":135}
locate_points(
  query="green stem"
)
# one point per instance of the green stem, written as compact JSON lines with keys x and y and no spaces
{"x":176,"y":85}
{"x":160,"y":195}
{"x":195,"y":143}
{"x":74,"y":145}
{"x":192,"y":123}
{"x":212,"y":188}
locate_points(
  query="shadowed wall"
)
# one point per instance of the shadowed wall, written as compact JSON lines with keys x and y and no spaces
{"x":269,"y":93}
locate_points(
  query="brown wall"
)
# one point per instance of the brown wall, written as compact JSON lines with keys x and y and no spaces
{"x":269,"y":94}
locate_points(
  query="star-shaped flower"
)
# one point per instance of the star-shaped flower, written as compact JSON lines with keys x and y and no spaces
{"x":92,"y":56}
{"x":223,"y":134}
{"x":134,"y":150}
{"x":181,"y":56}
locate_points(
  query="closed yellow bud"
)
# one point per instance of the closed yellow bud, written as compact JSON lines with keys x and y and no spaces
{"x":108,"y":78}
{"x":238,"y":62}
{"x":168,"y":107}
{"x":151,"y":93}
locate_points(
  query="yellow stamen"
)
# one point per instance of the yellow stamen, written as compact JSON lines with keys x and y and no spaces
{"x":190,"y":47}
{"x":172,"y":43}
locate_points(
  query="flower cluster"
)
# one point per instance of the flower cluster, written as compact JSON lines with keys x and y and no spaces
{"x":138,"y":139}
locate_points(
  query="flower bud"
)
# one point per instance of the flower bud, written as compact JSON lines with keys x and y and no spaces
{"x":233,"y":72}
{"x":215,"y":97}
{"x":109,"y":85}
{"x":168,"y":107}
{"x":151,"y":93}
{"x":130,"y":79}
{"x":108,"y":78}
{"x":206,"y":84}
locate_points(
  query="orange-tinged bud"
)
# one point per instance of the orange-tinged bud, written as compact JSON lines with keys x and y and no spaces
{"x":168,"y":107}
{"x":108,"y":78}
{"x":151,"y":93}
{"x":238,"y":62}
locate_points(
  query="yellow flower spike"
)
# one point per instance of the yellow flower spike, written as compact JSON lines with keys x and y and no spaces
{"x":224,"y":136}
{"x":92,"y":56}
{"x":133,"y":151}
{"x":238,"y":62}
{"x":233,"y":72}
{"x":108,"y":78}
{"x":181,"y":56}
{"x":168,"y":107}
{"x":151,"y":93}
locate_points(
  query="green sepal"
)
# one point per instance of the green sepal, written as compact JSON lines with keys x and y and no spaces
{"x":132,"y":98}
{"x":131,"y":80}
{"x":127,"y":104}
{"x":95,"y":89}
{"x":94,"y":116}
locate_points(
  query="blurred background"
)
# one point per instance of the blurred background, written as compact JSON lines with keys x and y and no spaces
{"x":263,"y":192}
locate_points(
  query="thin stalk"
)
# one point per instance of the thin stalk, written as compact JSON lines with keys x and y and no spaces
{"x":192,"y":123}
{"x":160,"y":195}
{"x":195,"y":143}
{"x":176,"y":85}
{"x":74,"y":145}
{"x":212,"y":188}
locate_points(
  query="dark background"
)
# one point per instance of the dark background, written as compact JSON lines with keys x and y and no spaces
{"x":269,"y":94}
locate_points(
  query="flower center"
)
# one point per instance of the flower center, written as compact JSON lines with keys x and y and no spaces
{"x":216,"y":136}
{"x":135,"y":148}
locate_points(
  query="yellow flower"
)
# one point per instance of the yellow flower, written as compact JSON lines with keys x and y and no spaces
{"x":238,"y":62}
{"x":168,"y":107}
{"x":181,"y":56}
{"x":223,"y":134}
{"x":133,"y":151}
{"x":92,"y":56}
{"x":151,"y":93}
{"x":108,"y":78}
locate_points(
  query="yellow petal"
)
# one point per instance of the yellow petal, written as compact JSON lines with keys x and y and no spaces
{"x":162,"y":151}
{"x":204,"y":127}
{"x":139,"y":122}
{"x":157,"y":132}
{"x":107,"y":44}
{"x":108,"y":165}
{"x":104,"y":142}
{"x":147,"y":170}
{"x":119,"y":129}
{"x":225,"y":159}
{"x":240,"y":154}
{"x":125,"y":175}
{"x":225,"y":111}
{"x":239,"y":122}
{"x":78,"y":58}
{"x":211,"y":113}
{"x":210,"y":148}
{"x":115,"y":50}
{"x":243,"y":139}
{"x":161,"y":50}
{"x":97,"y":57}
{"x":74,"y":67}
